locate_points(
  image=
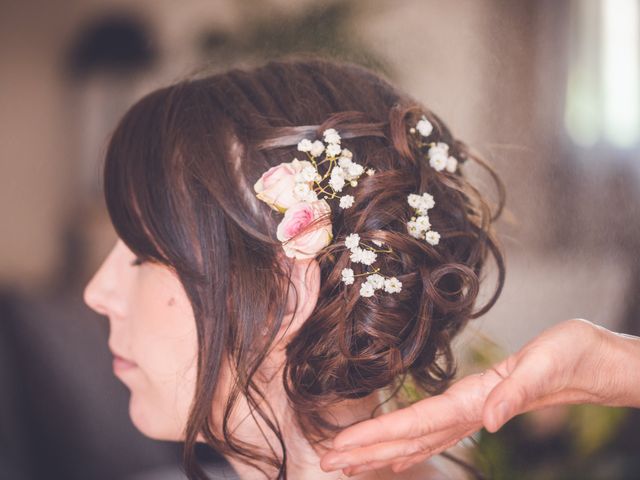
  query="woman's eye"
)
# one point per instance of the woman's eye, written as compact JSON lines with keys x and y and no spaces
{"x":137,"y":261}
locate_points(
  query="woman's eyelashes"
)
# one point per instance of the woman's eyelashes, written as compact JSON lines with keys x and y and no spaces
{"x":137,"y":262}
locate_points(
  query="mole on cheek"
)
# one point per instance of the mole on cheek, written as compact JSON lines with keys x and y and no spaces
{"x":171,"y":301}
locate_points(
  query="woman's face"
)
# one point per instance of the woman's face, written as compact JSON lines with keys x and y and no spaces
{"x":152,"y":336}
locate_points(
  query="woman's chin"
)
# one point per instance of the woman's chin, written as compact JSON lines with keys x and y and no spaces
{"x":150,"y":425}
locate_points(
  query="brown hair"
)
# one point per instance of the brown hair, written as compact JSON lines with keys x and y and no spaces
{"x":178,"y":181}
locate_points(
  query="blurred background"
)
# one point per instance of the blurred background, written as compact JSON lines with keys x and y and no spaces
{"x":548,"y":91}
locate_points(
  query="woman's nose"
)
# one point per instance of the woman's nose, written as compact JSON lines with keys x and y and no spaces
{"x":93,"y":297}
{"x":100,"y":293}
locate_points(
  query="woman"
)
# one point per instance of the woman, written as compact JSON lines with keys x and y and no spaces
{"x":295,"y":241}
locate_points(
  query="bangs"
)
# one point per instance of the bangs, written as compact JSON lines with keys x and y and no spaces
{"x":140,"y":186}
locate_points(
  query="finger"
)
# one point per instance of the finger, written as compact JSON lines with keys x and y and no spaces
{"x":527,"y":382}
{"x":357,"y":469}
{"x":407,"y":463}
{"x":382,"y":454}
{"x":402,"y":464}
{"x":419,"y":419}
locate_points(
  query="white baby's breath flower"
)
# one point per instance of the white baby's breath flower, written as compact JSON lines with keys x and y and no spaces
{"x":438,"y":156}
{"x":310,"y":196}
{"x":309,"y":173}
{"x":368,"y":257}
{"x":301,"y":189}
{"x":370,"y":171}
{"x":366,"y":290}
{"x":331,"y":136}
{"x":424,"y":127}
{"x":414,"y":230}
{"x":337,"y":172}
{"x":376,"y":280}
{"x":352,"y":241}
{"x":423,"y":223}
{"x":414,"y":200}
{"x":318,"y":178}
{"x":432,"y":237}
{"x":346,"y":201}
{"x":347,"y":276}
{"x":344,"y":162}
{"x":438,"y":161}
{"x":427,"y":201}
{"x":353,"y":183}
{"x":392,"y":285}
{"x":356,"y":255}
{"x":354,"y":171}
{"x":377,"y":242}
{"x":333,"y":150}
{"x":452,"y":164}
{"x":440,"y":146}
{"x":317,"y":148}
{"x":305,"y":145}
{"x":346,"y":153}
{"x":337,"y":183}
{"x":303,"y":192}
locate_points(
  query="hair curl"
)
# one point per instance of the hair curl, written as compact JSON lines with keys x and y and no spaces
{"x":178,"y":176}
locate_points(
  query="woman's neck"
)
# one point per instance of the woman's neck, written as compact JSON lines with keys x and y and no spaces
{"x":303,"y":462}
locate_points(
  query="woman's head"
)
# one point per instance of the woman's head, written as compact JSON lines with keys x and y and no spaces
{"x":179,"y":175}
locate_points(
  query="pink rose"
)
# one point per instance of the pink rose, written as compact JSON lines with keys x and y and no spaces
{"x":296,"y":219}
{"x":276,"y":186}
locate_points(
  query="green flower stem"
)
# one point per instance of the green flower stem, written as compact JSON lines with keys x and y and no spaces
{"x":389,"y":250}
{"x":331,"y":165}
{"x":322,"y":190}
{"x":331,"y":160}
{"x":376,"y":270}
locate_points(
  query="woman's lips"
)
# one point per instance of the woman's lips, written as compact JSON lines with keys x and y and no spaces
{"x":121,"y":364}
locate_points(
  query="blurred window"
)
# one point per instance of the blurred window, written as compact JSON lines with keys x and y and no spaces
{"x":603,"y":98}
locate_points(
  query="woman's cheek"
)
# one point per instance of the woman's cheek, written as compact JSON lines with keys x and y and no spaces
{"x":164,"y":340}
{"x":161,"y":395}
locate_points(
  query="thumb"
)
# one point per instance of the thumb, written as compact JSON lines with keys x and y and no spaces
{"x":525,"y":384}
{"x":507,"y":399}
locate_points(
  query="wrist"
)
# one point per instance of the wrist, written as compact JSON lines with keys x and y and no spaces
{"x":620,"y":369}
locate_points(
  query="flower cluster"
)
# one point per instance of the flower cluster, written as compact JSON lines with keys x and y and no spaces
{"x":342,"y":169}
{"x":300,"y":191}
{"x":367,"y":255}
{"x":296,"y":189}
{"x":419,"y":226}
{"x":438,"y":152}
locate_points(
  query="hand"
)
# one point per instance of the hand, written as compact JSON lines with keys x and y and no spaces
{"x":405,"y":437}
{"x":572,"y":362}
